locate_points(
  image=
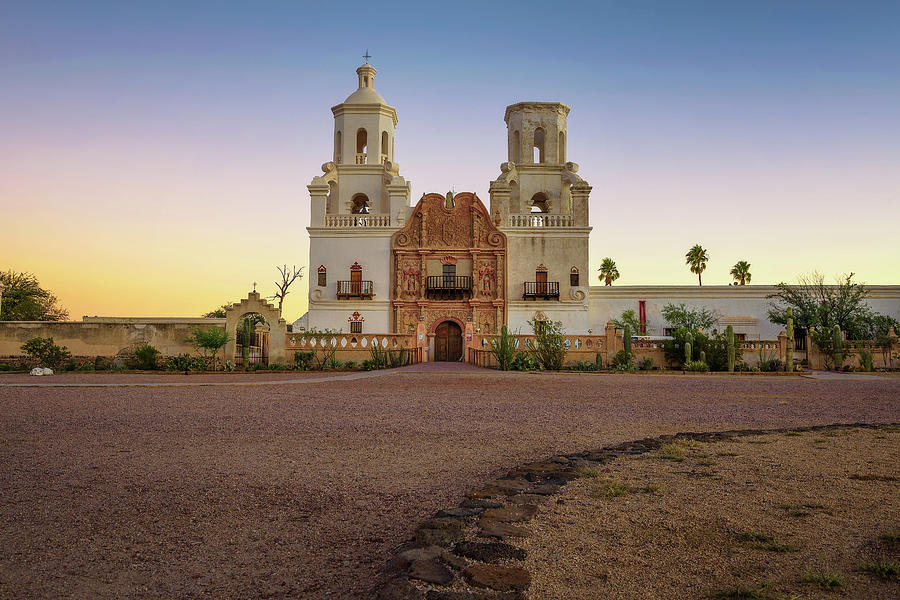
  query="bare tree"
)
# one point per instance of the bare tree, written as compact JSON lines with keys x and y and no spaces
{"x":288,"y":276}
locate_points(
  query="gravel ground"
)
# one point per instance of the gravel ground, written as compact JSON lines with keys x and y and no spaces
{"x":302,"y":490}
{"x":654,"y":529}
{"x":163,"y":377}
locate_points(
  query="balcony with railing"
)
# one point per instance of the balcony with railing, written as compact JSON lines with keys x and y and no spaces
{"x":540,"y":220}
{"x":547,"y":290}
{"x":360,"y":158}
{"x":346,"y":290}
{"x":357,"y":220}
{"x":448,"y":287}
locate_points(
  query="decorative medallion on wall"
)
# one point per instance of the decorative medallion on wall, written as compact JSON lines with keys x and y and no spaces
{"x":322,"y":269}
{"x":355,"y":267}
{"x":448,"y":260}
{"x":356,"y":318}
{"x":541,"y":267}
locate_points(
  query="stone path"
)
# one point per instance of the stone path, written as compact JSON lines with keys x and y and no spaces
{"x":467,"y":552}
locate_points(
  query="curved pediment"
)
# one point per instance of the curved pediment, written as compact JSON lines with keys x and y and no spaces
{"x":465,"y":224}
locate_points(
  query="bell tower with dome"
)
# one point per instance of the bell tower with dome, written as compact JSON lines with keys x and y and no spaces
{"x":357,"y":203}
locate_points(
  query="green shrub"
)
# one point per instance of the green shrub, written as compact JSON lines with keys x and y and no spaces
{"x":622,"y":361}
{"x":645,"y":364}
{"x":524,"y":361}
{"x":6,"y":367}
{"x":185,"y":362}
{"x":100,"y":363}
{"x":369,"y":365}
{"x":44,"y":352}
{"x":583,"y":365}
{"x":87,"y":367}
{"x":697,"y":366}
{"x":279,"y":367}
{"x":350,"y":364}
{"x":865,"y":360}
{"x":377,"y":358}
{"x":771,"y":365}
{"x":332,"y":363}
{"x":303,"y":360}
{"x":504,"y":349}
{"x":549,"y":348}
{"x":146,"y":357}
{"x":70,"y":366}
{"x":209,"y":341}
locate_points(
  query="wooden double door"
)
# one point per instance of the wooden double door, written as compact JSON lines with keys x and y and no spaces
{"x":448,"y":342}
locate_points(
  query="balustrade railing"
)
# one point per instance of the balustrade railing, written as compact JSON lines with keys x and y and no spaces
{"x":448,"y":285}
{"x":540,"y":289}
{"x":355,"y":289}
{"x":360,"y":158}
{"x":540,"y":220}
{"x":357,"y":220}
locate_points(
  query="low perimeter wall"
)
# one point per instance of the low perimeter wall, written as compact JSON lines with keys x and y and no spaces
{"x":105,"y":337}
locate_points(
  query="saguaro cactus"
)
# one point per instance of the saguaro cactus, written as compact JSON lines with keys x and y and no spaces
{"x":729,"y":339}
{"x":688,"y":341}
{"x":838,"y":348}
{"x":627,"y":338}
{"x":789,"y":352}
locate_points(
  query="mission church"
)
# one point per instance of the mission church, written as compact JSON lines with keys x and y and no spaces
{"x":384,"y":266}
{"x":450,"y":267}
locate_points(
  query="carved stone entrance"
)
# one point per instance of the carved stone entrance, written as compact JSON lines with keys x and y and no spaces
{"x":448,"y":342}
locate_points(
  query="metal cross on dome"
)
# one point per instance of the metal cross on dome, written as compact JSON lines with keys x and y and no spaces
{"x":367,"y":56}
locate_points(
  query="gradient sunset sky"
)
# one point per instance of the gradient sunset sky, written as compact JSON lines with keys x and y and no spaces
{"x":154,"y":156}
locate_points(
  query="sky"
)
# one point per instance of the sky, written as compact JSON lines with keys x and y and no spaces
{"x":154,"y":156}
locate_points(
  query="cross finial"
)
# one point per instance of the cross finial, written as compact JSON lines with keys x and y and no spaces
{"x":254,"y":287}
{"x":367,"y":56}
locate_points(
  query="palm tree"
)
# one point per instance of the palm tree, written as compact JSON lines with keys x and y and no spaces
{"x":741,"y":272}
{"x":697,"y":258}
{"x":608,"y":271}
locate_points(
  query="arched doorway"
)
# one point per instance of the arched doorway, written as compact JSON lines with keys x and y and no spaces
{"x":448,"y":342}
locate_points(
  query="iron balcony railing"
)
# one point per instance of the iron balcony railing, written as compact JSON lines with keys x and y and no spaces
{"x":355,"y":289}
{"x":447,"y":286}
{"x":541,"y":289}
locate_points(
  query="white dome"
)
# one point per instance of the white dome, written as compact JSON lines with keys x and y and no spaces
{"x":365,"y":96}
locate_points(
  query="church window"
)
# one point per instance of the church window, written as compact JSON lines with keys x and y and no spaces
{"x":337,"y":146}
{"x":562,"y":146}
{"x":573,"y":277}
{"x":362,"y":142}
{"x":384,"y":146}
{"x":323,"y":279}
{"x":538,"y":146}
{"x":360,"y":205}
{"x":517,"y":146}
{"x":355,"y":326}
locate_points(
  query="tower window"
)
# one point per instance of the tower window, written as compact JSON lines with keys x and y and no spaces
{"x":538,"y":146}
{"x":337,"y":146}
{"x":539,"y":203}
{"x":323,"y":272}
{"x":561,"y":150}
{"x":384,"y":146}
{"x":355,"y":326}
{"x":360,"y":205}
{"x":362,"y":142}
{"x":517,"y":147}
{"x":573,"y":277}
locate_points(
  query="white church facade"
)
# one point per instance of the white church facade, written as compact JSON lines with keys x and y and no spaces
{"x":378,"y":264}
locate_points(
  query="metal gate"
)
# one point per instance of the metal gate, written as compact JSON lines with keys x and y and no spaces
{"x":258,"y":346}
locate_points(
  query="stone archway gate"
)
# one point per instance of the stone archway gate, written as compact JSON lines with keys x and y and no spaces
{"x":277,"y":334}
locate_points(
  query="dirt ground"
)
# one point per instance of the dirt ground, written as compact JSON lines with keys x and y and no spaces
{"x":782,"y":516}
{"x":301,"y":491}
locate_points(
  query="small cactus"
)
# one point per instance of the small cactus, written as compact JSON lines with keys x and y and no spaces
{"x":729,"y":338}
{"x":687,"y":352}
{"x":703,"y":357}
{"x":627,"y":338}
{"x":598,"y":361}
{"x":789,"y":352}
{"x":838,"y":349}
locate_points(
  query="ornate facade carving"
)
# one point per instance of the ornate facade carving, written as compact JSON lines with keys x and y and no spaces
{"x":456,"y":231}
